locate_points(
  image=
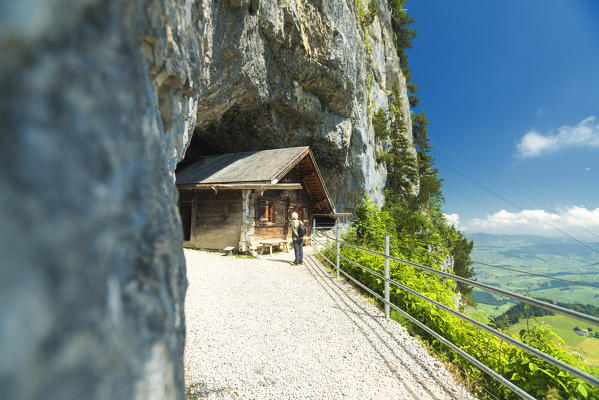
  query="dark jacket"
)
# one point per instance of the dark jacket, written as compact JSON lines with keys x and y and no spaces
{"x":294,"y":230}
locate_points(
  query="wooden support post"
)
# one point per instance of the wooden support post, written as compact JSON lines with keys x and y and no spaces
{"x":247,"y":226}
{"x":387,"y":296}
{"x":193,"y":239}
{"x":338,"y":245}
{"x":313,"y":233}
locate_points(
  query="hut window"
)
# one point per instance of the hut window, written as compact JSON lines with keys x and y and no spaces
{"x":269,"y":211}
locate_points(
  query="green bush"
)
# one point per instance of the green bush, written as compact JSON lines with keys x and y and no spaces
{"x":419,"y":233}
{"x":367,"y":12}
{"x":535,"y":376}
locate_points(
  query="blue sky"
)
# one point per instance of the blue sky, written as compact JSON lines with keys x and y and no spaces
{"x":510,"y":88}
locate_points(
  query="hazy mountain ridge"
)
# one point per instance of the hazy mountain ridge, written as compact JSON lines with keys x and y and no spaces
{"x":531,"y":246}
{"x":491,"y":239}
{"x":563,"y":258}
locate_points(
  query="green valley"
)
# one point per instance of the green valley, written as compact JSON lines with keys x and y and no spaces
{"x":586,"y":347}
{"x":555,"y":257}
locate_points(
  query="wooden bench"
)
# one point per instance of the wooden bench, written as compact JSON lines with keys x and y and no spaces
{"x":274,"y":242}
{"x":280,"y":243}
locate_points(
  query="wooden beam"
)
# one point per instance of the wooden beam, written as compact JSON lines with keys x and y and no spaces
{"x":319,"y":205}
{"x":308,"y":189}
{"x":326,"y":192}
{"x":229,"y":186}
{"x":311,"y":175}
{"x":334,"y":215}
{"x":292,"y":164}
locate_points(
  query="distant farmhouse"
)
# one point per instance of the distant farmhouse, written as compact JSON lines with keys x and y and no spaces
{"x":245,"y":200}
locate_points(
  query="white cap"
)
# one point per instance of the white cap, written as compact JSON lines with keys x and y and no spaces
{"x":294,"y":215}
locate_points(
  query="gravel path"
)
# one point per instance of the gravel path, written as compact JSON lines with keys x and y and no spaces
{"x":263,"y":329}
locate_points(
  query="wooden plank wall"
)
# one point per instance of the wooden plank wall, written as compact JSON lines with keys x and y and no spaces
{"x":286,"y":201}
{"x":218,"y":218}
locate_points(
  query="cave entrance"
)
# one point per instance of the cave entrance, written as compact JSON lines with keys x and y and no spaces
{"x":228,"y":217}
{"x":206,"y":220}
{"x":255,"y":126}
{"x":248,"y":127}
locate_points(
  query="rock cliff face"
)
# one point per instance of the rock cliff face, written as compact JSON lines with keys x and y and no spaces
{"x":249,"y":75}
{"x":99,"y":103}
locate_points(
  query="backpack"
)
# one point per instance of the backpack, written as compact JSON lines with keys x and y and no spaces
{"x":301,"y":229}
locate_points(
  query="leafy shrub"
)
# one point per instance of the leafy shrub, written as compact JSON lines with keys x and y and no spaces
{"x":535,"y":376}
{"x":419,"y":233}
{"x":367,"y":13}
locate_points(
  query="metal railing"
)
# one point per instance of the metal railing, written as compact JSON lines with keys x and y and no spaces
{"x":388,"y":305}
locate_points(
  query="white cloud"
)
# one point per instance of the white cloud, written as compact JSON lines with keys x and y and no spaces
{"x":453,"y":219}
{"x":587,"y":169}
{"x":538,"y":222}
{"x":534,"y":144}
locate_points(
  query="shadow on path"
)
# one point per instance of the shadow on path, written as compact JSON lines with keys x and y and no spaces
{"x":288,"y":262}
{"x":364,"y":321}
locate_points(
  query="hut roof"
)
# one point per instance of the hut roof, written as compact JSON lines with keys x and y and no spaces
{"x":250,"y":167}
{"x":265,"y":167}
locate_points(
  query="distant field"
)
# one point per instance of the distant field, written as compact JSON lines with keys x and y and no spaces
{"x":492,"y":310}
{"x":560,"y":258}
{"x":587,"y":347}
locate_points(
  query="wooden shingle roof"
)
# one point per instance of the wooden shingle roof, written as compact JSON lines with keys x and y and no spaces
{"x":258,"y":167}
{"x":250,"y":167}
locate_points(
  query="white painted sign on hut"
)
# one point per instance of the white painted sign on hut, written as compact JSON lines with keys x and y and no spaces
{"x":245,"y":200}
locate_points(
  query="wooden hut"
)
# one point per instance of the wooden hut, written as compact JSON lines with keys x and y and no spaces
{"x":245,"y":200}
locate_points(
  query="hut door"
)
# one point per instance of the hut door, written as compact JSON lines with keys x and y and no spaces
{"x":185,"y":211}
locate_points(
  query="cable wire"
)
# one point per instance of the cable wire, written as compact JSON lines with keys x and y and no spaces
{"x":517,"y":390}
{"x":519,"y":192}
{"x":535,"y":274}
{"x":523,"y":194}
{"x":517,"y":206}
{"x":530,"y":300}
{"x":529,"y":349}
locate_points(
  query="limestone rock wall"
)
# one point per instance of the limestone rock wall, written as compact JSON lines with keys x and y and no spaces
{"x":92,"y":273}
{"x":99,"y":101}
{"x":250,"y":75}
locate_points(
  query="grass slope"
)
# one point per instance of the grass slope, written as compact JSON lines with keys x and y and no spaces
{"x":561,"y":258}
{"x":587,"y":347}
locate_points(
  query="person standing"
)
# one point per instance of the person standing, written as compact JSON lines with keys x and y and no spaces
{"x":297,"y":235}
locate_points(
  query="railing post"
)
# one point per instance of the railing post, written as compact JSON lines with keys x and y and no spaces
{"x":387,"y":296}
{"x":338,"y":245}
{"x":313,"y":234}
